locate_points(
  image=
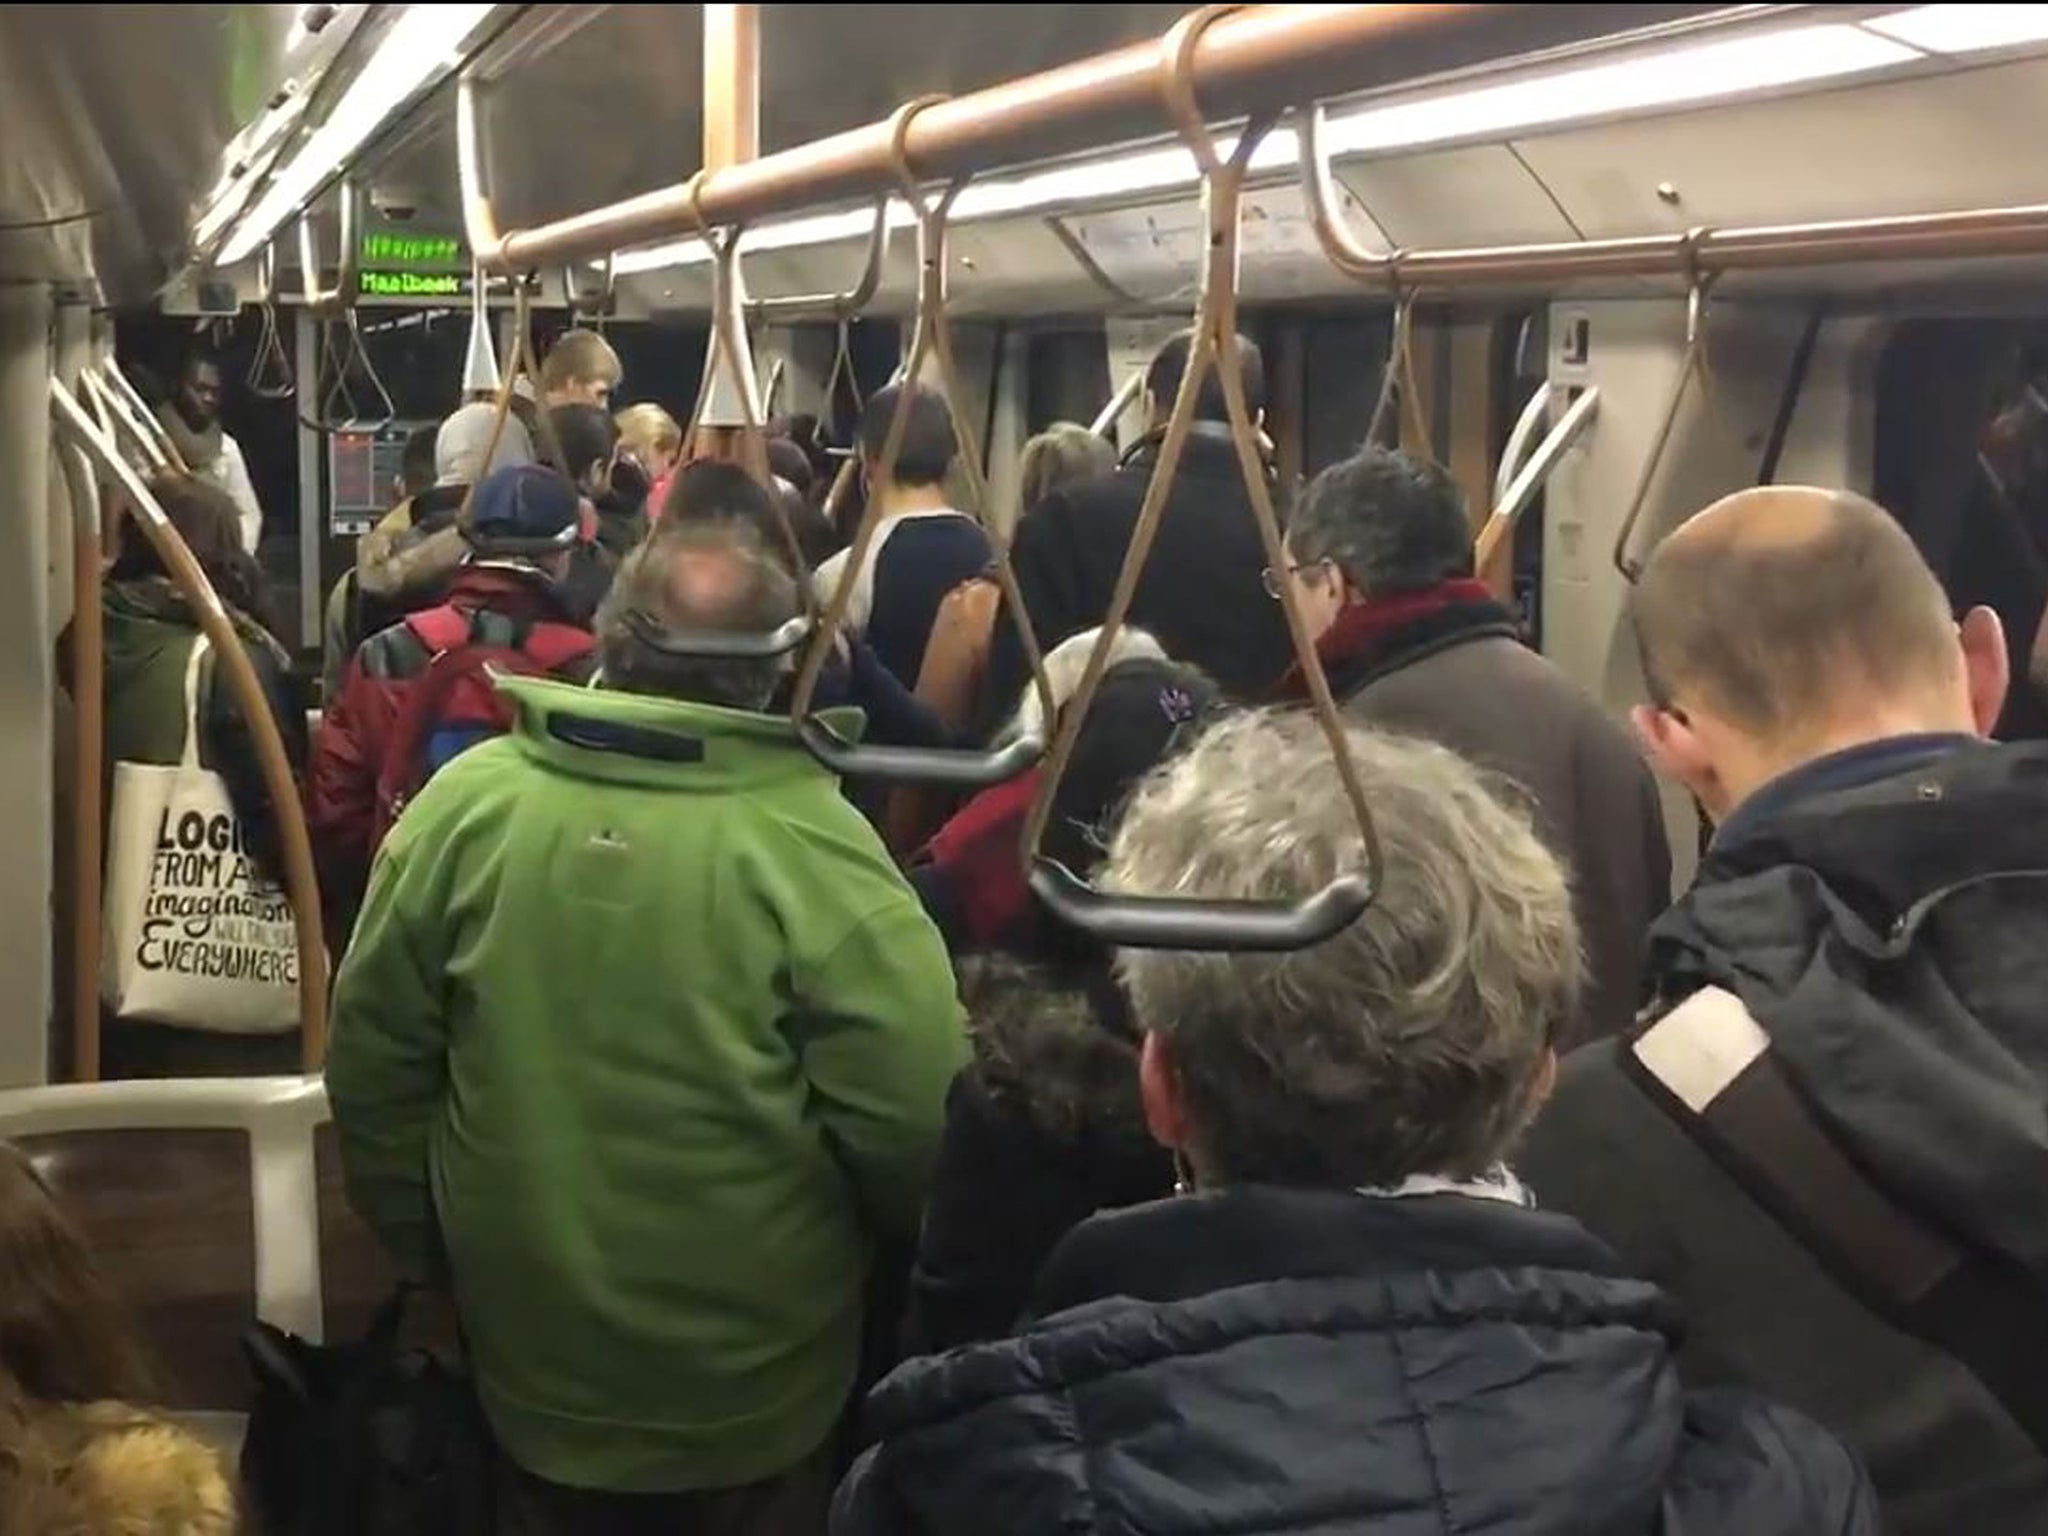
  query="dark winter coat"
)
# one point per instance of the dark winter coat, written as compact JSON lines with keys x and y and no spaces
{"x":1456,"y":673}
{"x":1883,"y":916}
{"x":1264,"y":1361}
{"x":1043,"y":1129}
{"x":1200,"y":594}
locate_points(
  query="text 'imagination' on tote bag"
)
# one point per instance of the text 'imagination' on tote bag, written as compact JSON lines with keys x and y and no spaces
{"x":193,"y":936}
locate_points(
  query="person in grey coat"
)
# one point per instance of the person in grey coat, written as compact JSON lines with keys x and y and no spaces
{"x":1353,"y":1322}
{"x":1869,"y":933}
{"x":1380,"y":554}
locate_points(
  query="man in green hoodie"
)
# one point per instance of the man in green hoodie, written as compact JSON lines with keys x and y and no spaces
{"x":641,"y":1042}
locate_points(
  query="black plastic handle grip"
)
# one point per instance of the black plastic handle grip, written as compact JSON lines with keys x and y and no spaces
{"x":918,"y":765}
{"x":779,"y":641}
{"x":1179,"y":922}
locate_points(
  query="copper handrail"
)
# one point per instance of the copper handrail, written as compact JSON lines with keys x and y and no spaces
{"x":1260,"y":58}
{"x":931,"y":337}
{"x":1138,"y":921}
{"x":79,"y":430}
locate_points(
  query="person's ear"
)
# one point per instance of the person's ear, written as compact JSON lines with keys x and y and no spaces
{"x":1159,"y":1087}
{"x":1987,"y":666}
{"x":1676,"y":750}
{"x":1545,"y":1083}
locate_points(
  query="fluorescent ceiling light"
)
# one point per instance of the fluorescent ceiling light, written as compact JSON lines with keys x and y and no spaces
{"x":1964,"y":28}
{"x":1679,"y":75}
{"x":250,"y":150}
{"x":425,"y":40}
{"x":1671,"y":77}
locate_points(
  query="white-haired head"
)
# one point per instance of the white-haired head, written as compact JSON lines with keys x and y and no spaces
{"x":1065,"y":663}
{"x":1412,"y":1042}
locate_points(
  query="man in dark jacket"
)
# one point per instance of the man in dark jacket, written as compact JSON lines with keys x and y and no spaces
{"x":1380,"y":554}
{"x":1829,"y":1144}
{"x":1355,"y":1322}
{"x":1200,"y":592}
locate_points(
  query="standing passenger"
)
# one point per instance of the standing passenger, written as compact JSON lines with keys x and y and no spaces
{"x":192,"y":417}
{"x":1380,"y":554}
{"x":1352,"y":1321}
{"x":923,"y":549}
{"x":1856,"y":982}
{"x":1200,"y":591}
{"x":641,"y":1045}
{"x":581,"y":369}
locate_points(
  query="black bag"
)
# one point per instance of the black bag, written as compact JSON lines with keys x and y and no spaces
{"x":363,"y":1439}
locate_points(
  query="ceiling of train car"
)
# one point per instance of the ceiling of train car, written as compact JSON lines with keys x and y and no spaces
{"x":623,"y":91}
{"x":112,"y":124}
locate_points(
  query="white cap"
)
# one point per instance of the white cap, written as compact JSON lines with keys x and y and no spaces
{"x":459,"y":445}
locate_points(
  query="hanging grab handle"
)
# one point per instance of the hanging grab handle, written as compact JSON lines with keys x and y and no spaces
{"x":1692,"y":363}
{"x":728,"y":349}
{"x":840,"y":306}
{"x":931,"y":337}
{"x":334,"y":406}
{"x":519,"y":358}
{"x":583,"y":305}
{"x":1155,"y":922}
{"x":1370,"y":268}
{"x":270,"y":371}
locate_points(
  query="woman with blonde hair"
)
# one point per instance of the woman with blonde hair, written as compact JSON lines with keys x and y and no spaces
{"x":1064,"y":454}
{"x":651,"y":436}
{"x":78,"y":1454}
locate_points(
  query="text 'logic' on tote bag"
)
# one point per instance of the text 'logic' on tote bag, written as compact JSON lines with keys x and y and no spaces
{"x":194,"y":935}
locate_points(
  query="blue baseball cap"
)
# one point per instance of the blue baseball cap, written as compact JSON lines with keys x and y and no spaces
{"x":524,"y":509}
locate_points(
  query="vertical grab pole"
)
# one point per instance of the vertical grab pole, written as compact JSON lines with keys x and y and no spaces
{"x":300,"y":885}
{"x":88,"y":710}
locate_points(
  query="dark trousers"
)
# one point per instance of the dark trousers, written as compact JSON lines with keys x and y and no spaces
{"x":792,"y":1503}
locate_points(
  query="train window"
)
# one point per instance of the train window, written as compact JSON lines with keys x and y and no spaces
{"x":1962,"y":461}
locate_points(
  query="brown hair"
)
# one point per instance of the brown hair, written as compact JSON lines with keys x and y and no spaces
{"x":211,"y":527}
{"x":64,"y":1338}
{"x":578,"y":355}
{"x":1778,"y":627}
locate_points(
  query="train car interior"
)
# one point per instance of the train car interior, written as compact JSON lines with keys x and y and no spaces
{"x":1601,"y":263}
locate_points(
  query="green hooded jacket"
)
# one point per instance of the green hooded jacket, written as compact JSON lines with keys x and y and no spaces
{"x":643,"y":1035}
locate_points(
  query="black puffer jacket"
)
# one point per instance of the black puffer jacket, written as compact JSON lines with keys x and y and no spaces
{"x":1261,"y":1361}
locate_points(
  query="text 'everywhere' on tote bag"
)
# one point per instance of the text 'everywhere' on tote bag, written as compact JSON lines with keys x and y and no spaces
{"x":194,"y":935}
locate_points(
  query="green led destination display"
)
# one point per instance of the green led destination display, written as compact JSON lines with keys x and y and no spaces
{"x":414,"y":285}
{"x":414,"y":252}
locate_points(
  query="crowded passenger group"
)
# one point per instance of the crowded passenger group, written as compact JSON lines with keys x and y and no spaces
{"x":791,"y":1169}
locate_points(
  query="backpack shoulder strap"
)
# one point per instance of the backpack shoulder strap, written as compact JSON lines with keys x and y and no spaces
{"x":442,"y":628}
{"x":1709,"y":1065}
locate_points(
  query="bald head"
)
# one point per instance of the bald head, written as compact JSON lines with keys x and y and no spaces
{"x":700,"y":578}
{"x":1789,"y":611}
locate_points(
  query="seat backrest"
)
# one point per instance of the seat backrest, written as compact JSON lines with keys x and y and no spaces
{"x":207,"y":1202}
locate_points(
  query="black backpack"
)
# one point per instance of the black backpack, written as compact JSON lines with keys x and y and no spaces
{"x":363,"y":1439}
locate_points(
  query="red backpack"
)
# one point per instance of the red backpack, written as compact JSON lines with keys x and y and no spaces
{"x":453,"y":704}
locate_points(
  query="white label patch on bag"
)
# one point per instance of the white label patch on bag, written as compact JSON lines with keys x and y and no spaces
{"x":1701,"y":1046}
{"x":194,"y":936}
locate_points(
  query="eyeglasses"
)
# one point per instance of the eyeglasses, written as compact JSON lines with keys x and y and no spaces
{"x":1270,"y":579}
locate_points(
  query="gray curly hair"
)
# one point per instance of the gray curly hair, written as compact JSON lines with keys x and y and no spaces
{"x":1410,"y":1043}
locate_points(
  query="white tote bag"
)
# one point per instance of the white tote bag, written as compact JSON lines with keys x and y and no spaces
{"x":193,"y":935}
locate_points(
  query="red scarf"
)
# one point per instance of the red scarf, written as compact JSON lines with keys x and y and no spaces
{"x":1367,"y":633}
